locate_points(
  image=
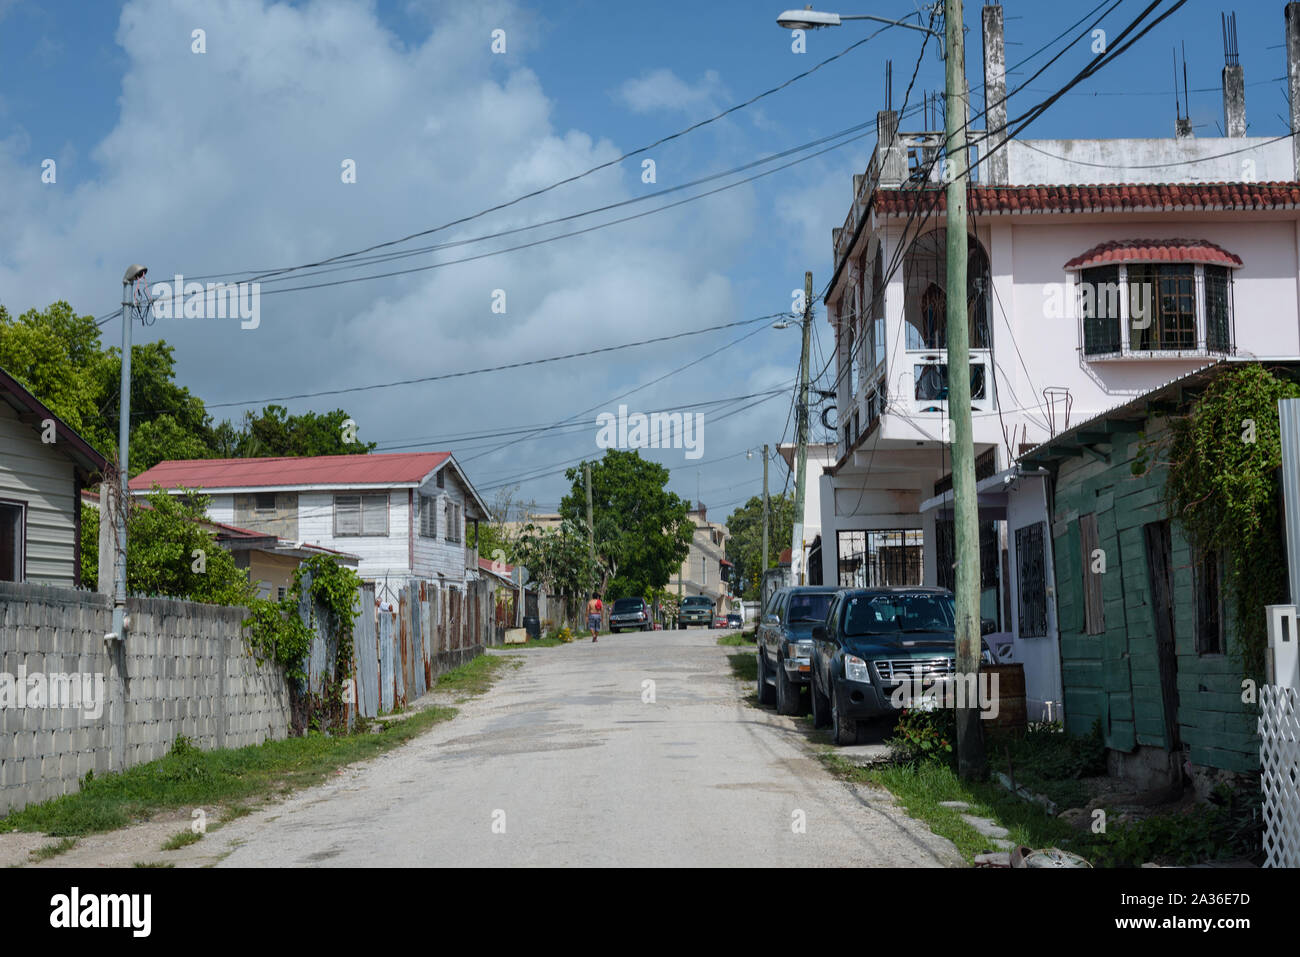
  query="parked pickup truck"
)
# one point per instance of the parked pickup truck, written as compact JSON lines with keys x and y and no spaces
{"x":872,"y":641}
{"x":696,"y":610}
{"x":784,"y":639}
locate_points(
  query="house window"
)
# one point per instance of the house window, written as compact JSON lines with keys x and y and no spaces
{"x":1094,"y":613}
{"x":453,"y":521}
{"x":871,"y":559}
{"x":1207,"y":575}
{"x":1099,"y":302}
{"x":1031,"y":581}
{"x":932,"y":381}
{"x":264,"y":501}
{"x":279,"y":593}
{"x":442,"y":480}
{"x":1218,"y":324}
{"x":11,"y":541}
{"x":1143,"y":296}
{"x":1162,"y":301}
{"x":361,"y":515}
{"x":428,"y":517}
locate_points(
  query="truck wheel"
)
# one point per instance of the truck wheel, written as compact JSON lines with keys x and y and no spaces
{"x":821,"y":707}
{"x":787,"y":692}
{"x":845,"y":731}
{"x":765,"y":695}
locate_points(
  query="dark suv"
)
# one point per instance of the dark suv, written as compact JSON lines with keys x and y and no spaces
{"x":785,"y":641}
{"x":696,"y":610}
{"x":630,"y":613}
{"x":873,"y":641}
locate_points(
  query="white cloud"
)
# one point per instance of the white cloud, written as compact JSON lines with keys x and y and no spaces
{"x":662,"y":89}
{"x":231,"y":160}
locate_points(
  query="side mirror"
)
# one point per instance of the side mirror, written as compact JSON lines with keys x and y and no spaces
{"x":819,"y":632}
{"x":771,"y":620}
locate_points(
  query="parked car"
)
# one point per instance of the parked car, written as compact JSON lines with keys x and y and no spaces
{"x":734,"y":620}
{"x":784,"y":639}
{"x":696,"y":610}
{"x":629,"y":613}
{"x":719,"y":620}
{"x":874,"y":640}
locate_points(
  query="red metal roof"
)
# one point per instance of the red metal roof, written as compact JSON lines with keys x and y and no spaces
{"x":486,"y":565}
{"x":397,"y":468}
{"x":1106,"y":197}
{"x":1155,"y":250}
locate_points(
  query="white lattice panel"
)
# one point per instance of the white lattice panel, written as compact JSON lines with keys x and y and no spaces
{"x":1279,"y":733}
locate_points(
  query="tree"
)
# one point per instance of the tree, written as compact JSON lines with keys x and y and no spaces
{"x":641,"y":530}
{"x":170,"y":552}
{"x":558,"y":558}
{"x":745,"y":546}
{"x":275,"y":432}
{"x":56,"y":355}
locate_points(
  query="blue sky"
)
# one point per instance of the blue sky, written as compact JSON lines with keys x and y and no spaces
{"x":230,"y":160}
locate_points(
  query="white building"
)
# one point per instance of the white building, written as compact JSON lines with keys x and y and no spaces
{"x":805,"y":566}
{"x":405,"y":515}
{"x":1192,"y":243}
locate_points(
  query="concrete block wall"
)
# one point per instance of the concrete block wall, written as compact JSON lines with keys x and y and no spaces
{"x":184,"y":669}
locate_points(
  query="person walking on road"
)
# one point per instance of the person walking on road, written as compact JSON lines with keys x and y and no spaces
{"x":594,"y":609}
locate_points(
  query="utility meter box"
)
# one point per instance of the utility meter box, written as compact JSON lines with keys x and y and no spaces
{"x":1283,"y":646}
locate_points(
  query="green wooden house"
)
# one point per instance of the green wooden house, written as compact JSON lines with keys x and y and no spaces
{"x":1144,"y":633}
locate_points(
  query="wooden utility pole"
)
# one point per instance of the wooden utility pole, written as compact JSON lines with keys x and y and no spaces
{"x":801,"y":464}
{"x":591,"y":529}
{"x":970,"y":741}
{"x":766,"y":520}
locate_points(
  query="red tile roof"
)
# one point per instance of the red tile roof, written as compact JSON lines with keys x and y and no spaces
{"x":1108,"y":197}
{"x":398,"y":468}
{"x":1155,"y":250}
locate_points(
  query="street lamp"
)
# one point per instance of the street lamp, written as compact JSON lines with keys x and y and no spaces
{"x":811,"y":19}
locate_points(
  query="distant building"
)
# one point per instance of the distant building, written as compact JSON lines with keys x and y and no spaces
{"x":705,"y":570}
{"x":404,"y":515}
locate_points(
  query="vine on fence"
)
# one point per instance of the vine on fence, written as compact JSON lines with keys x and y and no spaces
{"x":278,"y":633}
{"x":1221,"y":489}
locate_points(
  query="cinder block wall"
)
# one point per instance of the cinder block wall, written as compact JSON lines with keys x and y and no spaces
{"x":184,"y":669}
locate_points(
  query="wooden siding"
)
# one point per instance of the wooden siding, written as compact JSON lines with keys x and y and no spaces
{"x":43,"y":479}
{"x":1114,"y":676}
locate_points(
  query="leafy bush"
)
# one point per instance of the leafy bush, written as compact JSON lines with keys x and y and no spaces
{"x":923,"y":735}
{"x":1229,"y":826}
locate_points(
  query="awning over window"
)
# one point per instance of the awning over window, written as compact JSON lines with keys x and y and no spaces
{"x":1155,"y":250}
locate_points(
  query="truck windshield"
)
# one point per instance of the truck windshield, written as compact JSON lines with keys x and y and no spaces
{"x":699,"y":602}
{"x":899,"y":614}
{"x":807,"y":608}
{"x":628,"y":604}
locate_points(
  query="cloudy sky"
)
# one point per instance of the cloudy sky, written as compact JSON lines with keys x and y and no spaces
{"x":230,"y":161}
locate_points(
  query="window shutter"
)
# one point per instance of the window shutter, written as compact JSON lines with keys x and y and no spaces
{"x":374,"y":515}
{"x":347,"y":515}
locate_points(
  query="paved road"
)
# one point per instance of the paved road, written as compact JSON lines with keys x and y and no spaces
{"x":581,"y":771}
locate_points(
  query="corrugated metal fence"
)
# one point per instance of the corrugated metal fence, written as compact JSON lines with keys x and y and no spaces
{"x":401,"y":648}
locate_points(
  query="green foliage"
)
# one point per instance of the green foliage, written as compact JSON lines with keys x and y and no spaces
{"x":1230,"y":825}
{"x":56,"y":354}
{"x":745,"y":546}
{"x":89,"y":556}
{"x":274,"y":432}
{"x":923,"y":735}
{"x":1221,"y":489}
{"x":172,"y":552}
{"x":558,"y":558}
{"x":642,"y":532}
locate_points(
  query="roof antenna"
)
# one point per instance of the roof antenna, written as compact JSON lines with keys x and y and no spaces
{"x":1182,"y":124}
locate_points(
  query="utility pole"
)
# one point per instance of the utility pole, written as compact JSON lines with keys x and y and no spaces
{"x":766,"y":520}
{"x":970,"y":741}
{"x":132,"y":274}
{"x":591,"y":530}
{"x":801,"y":464}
